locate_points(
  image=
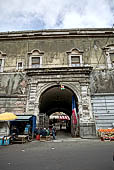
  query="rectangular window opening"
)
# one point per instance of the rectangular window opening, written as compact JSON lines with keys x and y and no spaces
{"x":20,"y":65}
{"x":75,"y":60}
{"x":112,"y":58}
{"x":1,"y":65}
{"x":35,"y":62}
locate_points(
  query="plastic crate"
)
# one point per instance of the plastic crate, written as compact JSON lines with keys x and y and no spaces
{"x":1,"y":140}
{"x":6,"y":141}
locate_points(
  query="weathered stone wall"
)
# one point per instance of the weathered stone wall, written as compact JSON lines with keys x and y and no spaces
{"x":54,"y":50}
{"x":87,"y":130}
{"x":13,"y":90}
{"x":19,"y":96}
{"x":4,"y":128}
{"x":102,"y":81}
{"x":13,"y":84}
{"x":15,"y":104}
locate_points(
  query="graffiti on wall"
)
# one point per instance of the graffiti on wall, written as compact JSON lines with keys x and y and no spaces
{"x":11,"y":84}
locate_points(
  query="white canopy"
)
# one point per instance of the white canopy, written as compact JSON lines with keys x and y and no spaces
{"x":60,"y":117}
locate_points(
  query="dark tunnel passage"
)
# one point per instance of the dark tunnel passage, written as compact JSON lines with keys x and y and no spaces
{"x":56,"y":100}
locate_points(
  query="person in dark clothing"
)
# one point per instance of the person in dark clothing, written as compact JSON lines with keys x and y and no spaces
{"x":48,"y":132}
{"x":60,"y":126}
{"x":16,"y":131}
{"x":37,"y":131}
{"x":53,"y":133}
{"x":43,"y":132}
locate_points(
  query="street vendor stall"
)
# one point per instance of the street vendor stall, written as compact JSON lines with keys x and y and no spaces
{"x":4,"y":127}
{"x":26,"y":124}
{"x":106,"y":134}
{"x":23,"y":128}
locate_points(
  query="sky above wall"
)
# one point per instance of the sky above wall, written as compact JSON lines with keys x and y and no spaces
{"x":16,"y":15}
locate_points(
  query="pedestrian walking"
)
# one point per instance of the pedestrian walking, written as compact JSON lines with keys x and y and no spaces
{"x":48,"y":131}
{"x":53,"y":133}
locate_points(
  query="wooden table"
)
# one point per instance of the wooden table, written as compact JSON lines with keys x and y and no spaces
{"x":21,"y":139}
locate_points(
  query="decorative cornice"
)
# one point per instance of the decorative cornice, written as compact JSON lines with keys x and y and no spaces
{"x":75,"y":50}
{"x":2,"y":54}
{"x":36,"y":50}
{"x":57,"y":33}
{"x":58,"y":70}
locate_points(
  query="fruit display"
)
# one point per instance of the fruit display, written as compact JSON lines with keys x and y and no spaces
{"x":106,"y":134}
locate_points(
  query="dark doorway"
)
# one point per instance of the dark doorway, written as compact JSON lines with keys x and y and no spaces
{"x":57,"y":99}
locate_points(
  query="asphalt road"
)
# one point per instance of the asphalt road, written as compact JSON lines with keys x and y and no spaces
{"x":72,"y":155}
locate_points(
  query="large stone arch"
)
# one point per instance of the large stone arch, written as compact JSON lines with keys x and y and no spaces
{"x":73,"y":87}
{"x":42,"y":87}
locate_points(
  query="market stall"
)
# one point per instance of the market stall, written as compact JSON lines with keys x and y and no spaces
{"x":5,"y":127}
{"x":106,"y":134}
{"x":25,"y":124}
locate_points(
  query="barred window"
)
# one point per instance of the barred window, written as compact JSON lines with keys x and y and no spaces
{"x":35,"y":62}
{"x":0,"y":62}
{"x":20,"y":65}
{"x":1,"y":65}
{"x":112,"y":56}
{"x":75,"y":60}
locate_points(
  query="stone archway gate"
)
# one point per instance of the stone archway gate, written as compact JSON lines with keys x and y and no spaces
{"x":76,"y":79}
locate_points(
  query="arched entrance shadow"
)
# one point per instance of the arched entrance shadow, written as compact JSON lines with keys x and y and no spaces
{"x":54,"y":99}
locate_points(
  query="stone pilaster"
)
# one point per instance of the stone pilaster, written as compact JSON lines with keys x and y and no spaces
{"x":31,"y":98}
{"x":85,"y":102}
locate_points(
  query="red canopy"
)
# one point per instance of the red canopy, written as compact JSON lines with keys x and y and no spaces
{"x":64,"y":118}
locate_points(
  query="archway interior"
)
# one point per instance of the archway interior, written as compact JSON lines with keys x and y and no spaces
{"x":55,"y":99}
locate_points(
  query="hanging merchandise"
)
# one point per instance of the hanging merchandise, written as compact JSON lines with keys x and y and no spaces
{"x":62,"y":87}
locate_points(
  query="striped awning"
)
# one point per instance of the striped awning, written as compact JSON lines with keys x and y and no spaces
{"x":64,"y":117}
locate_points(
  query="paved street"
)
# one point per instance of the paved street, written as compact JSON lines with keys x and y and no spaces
{"x":59,"y":155}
